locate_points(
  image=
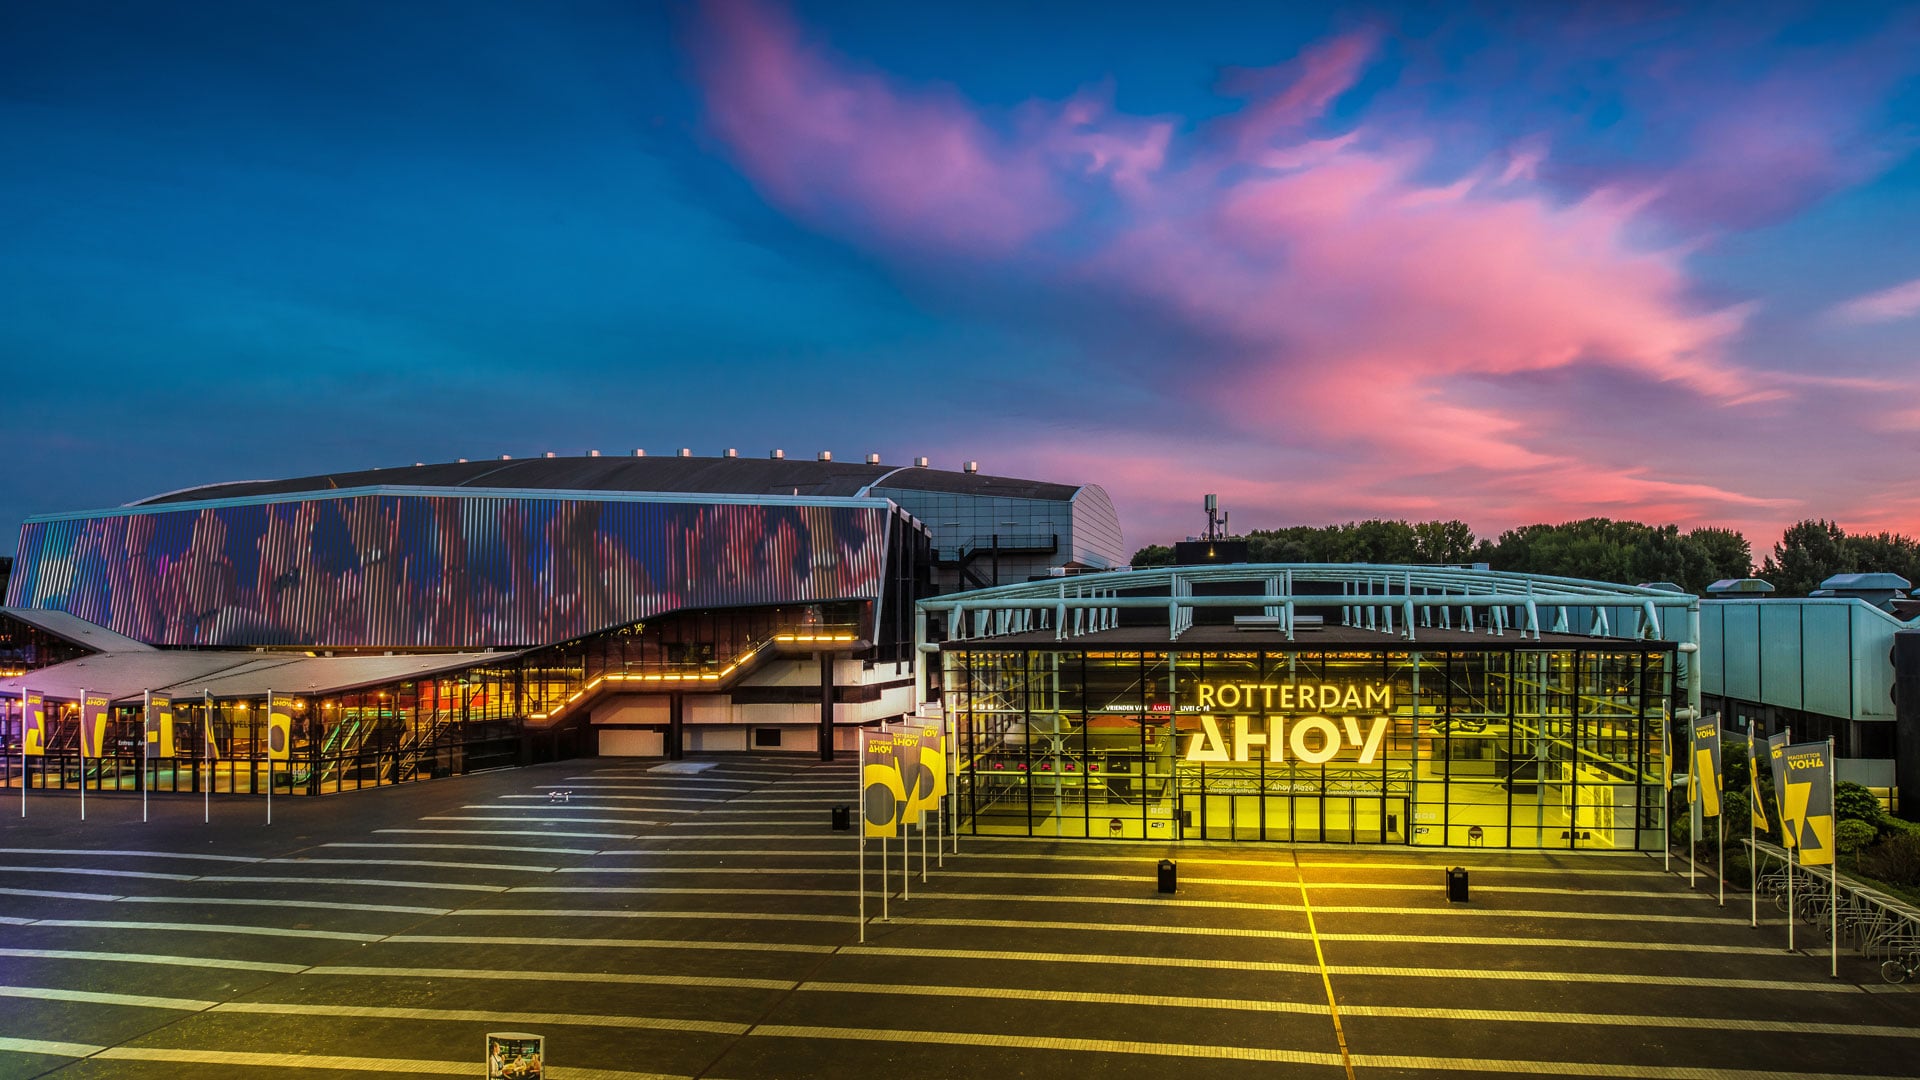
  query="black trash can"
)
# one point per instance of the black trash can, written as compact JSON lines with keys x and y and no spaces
{"x":842,"y":818}
{"x":1457,"y":884}
{"x":1169,"y":874}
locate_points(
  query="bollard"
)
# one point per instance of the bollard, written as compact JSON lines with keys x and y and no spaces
{"x":1169,"y":874}
{"x":1457,"y":885}
{"x":842,"y":818}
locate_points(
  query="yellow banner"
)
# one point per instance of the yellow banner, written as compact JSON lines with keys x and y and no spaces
{"x":33,"y":724}
{"x":1810,"y":802}
{"x":279,"y":729}
{"x":93,"y":723}
{"x":159,"y":725}
{"x":883,"y":793}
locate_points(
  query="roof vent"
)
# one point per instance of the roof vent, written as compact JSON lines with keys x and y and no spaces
{"x":731,"y":452}
{"x":873,"y":459}
{"x":826,"y":455}
{"x":418,"y":464}
{"x":921,"y":463}
{"x":549,"y":454}
{"x":639,"y":453}
{"x":593,"y":453}
{"x":506,"y":457}
{"x":686,"y":452}
{"x":463,"y":461}
{"x":971,"y":467}
{"x":777,"y":454}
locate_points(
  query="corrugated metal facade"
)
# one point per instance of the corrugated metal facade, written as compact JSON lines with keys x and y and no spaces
{"x":438,"y":571}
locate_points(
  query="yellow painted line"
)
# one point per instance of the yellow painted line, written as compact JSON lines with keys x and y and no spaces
{"x":1035,"y":1042}
{"x":605,"y":943}
{"x":386,"y":1065}
{"x":1326,"y":980}
{"x":1585,"y":1068}
{"x":220,"y":962}
{"x":999,"y":993}
{"x":48,"y":1047}
{"x":621,"y":913}
{"x":1821,"y":986}
{"x":208,"y":928}
{"x":89,"y":997}
{"x":1691,"y":1023}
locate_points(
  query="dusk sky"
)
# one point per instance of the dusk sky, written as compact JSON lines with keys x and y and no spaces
{"x":1505,"y":263}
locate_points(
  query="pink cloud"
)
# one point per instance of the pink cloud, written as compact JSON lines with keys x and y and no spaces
{"x":1357,"y":319}
{"x":1887,"y":305}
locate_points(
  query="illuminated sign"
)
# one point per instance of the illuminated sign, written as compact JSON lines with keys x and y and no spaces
{"x":1313,"y":739}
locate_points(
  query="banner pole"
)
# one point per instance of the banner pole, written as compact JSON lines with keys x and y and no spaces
{"x":206,"y":752}
{"x":884,"y":917}
{"x":1753,"y":834}
{"x":860,"y":801}
{"x":83,"y":754}
{"x":1833,"y":868}
{"x":145,"y":751}
{"x":1792,"y":857}
{"x":906,"y":860}
{"x":269,"y":756}
{"x":23,"y":751}
{"x":1693,"y":823}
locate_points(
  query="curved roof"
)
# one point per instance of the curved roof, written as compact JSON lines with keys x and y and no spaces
{"x":688,"y":475}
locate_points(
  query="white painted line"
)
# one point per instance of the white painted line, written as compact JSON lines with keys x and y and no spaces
{"x":803,"y":871}
{"x":655,"y":783}
{"x":838,"y":859}
{"x":1531,"y":913}
{"x":253,"y":1059}
{"x":1821,"y":986}
{"x":846,"y":841}
{"x":118,"y":853}
{"x":307,"y":904}
{"x":1037,"y":1042}
{"x":96,"y":872}
{"x":49,"y":894}
{"x":554,"y":976}
{"x":88,"y":997}
{"x":474,"y":847}
{"x":417,"y":862}
{"x":518,"y":832}
{"x":479,"y":1016}
{"x":1084,"y":958}
{"x":209,"y":928}
{"x":582,"y":803}
{"x":604,"y":943}
{"x":639,"y":798}
{"x":1555,"y":943}
{"x":535,"y":820}
{"x":1691,"y":1023}
{"x":1115,"y":928}
{"x":219,"y":962}
{"x":769,"y":813}
{"x":358,"y":883}
{"x":50,"y":1049}
{"x":1002,"y":993}
{"x":1584,"y":1068}
{"x":1191,"y":859}
{"x":622,"y":913}
{"x":665,"y":890}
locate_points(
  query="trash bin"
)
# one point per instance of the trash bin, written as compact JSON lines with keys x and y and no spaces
{"x":1169,"y":874}
{"x":843,"y":818}
{"x":1457,"y":885}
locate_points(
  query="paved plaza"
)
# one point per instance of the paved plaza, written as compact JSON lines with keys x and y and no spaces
{"x":700,"y":923}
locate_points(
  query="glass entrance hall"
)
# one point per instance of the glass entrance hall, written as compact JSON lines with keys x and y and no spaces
{"x":1508,"y":745}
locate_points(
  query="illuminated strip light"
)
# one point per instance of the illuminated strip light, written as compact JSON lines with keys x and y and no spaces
{"x":683,"y":676}
{"x":813,"y":637}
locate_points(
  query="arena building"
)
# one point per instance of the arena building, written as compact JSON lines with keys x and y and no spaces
{"x":1331,"y":703}
{"x":440,"y":618}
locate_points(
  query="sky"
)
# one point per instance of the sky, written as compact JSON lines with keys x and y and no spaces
{"x":1501,"y":263}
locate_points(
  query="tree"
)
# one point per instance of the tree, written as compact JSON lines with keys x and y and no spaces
{"x":1443,"y":542}
{"x":1727,"y":553}
{"x":1153,"y":555}
{"x":1808,"y":553}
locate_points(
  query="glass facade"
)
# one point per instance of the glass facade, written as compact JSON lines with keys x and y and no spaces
{"x":1544,"y":747}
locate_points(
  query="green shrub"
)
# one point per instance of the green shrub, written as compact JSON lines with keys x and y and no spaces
{"x":1853,"y":836}
{"x":1739,"y":872}
{"x":1894,"y":860}
{"x":1853,"y":802}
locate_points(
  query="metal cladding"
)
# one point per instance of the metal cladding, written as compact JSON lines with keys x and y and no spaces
{"x":436,"y":571}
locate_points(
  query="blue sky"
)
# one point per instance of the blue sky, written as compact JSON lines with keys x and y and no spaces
{"x":1332,"y":262}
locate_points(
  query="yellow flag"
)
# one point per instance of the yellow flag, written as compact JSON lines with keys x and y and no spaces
{"x":93,"y":723}
{"x":279,"y":728}
{"x":883,"y":794}
{"x":33,"y":724}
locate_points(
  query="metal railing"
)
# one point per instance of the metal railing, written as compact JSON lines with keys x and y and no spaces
{"x":1879,"y":926}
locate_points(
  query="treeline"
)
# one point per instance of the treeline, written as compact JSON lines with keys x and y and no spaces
{"x":1599,"y":549}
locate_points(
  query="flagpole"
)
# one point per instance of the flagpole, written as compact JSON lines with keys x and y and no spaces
{"x":1793,"y":847}
{"x":1693,"y":822}
{"x":146,"y":752}
{"x":83,"y":754}
{"x":23,"y":751}
{"x":860,"y":779}
{"x":206,"y":752}
{"x":1833,"y":868}
{"x":1753,"y":834}
{"x":1666,"y":802}
{"x":269,"y":757}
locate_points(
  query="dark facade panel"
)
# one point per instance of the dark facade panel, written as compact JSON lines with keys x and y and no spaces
{"x":436,"y":571}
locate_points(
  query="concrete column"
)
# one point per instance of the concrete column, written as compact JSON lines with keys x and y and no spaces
{"x":676,"y":727}
{"x":826,"y":706}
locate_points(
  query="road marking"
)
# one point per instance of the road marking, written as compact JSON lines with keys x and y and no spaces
{"x":96,"y":872}
{"x":1823,"y":986}
{"x":1036,"y":1042}
{"x":119,"y":853}
{"x":847,"y":842}
{"x":220,"y":962}
{"x":789,"y":870}
{"x":584,"y":802}
{"x":51,"y":1049}
{"x":518,"y":832}
{"x":1326,"y":980}
{"x":610,"y":943}
{"x":89,"y":997}
{"x":997,"y":993}
{"x":477,"y":1016}
{"x":1118,"y":928}
{"x":391,"y":883}
{"x":1083,"y":958}
{"x":1585,"y":1068}
{"x":53,"y":895}
{"x":640,"y":798}
{"x":768,"y":813}
{"x":1625,"y":1020}
{"x":1551,"y":942}
{"x":250,"y":901}
{"x":205,"y":928}
{"x":558,"y":976}
{"x":472,"y":847}
{"x":387,"y":1065}
{"x":621,"y":913}
{"x":418,"y":862}
{"x":533,"y":820}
